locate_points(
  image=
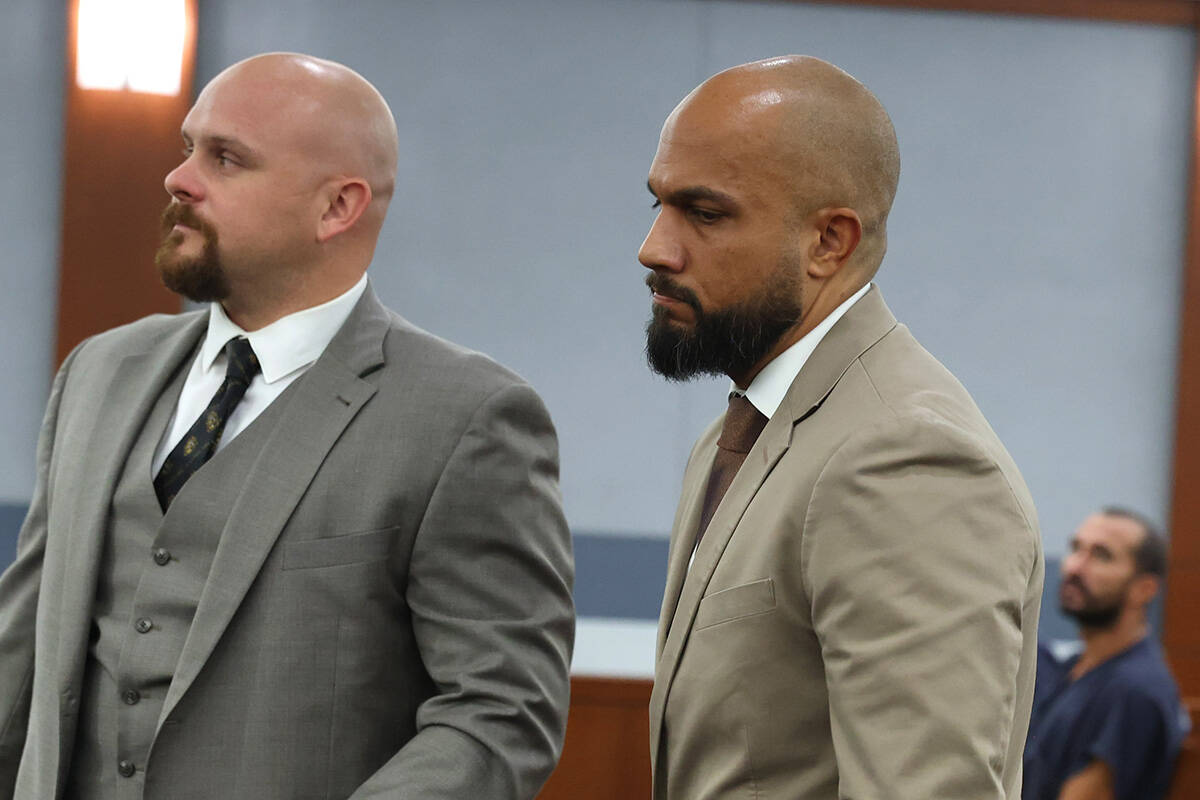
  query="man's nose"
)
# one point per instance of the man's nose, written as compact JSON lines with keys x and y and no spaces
{"x":660,"y":250}
{"x":183,"y":184}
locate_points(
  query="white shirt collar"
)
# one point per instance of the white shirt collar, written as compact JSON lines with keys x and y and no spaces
{"x":288,"y":343}
{"x":772,"y":382}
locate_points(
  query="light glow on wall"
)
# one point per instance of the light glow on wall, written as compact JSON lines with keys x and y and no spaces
{"x":131,"y":44}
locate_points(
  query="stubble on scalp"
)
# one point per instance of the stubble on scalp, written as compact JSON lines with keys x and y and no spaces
{"x":833,"y":145}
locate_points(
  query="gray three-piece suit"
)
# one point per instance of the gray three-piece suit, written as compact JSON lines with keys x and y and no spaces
{"x":367,"y":592}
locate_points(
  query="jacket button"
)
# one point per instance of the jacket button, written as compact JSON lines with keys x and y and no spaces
{"x":126,"y":768}
{"x":131,"y":697}
{"x":143,"y":625}
{"x":161,"y":556}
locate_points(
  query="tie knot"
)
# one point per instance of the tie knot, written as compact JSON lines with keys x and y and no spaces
{"x":243,"y":364}
{"x":743,"y":424}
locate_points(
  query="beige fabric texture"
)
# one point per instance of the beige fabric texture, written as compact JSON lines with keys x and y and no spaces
{"x":860,"y":618}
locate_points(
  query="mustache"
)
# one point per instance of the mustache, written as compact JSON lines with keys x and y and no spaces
{"x":179,"y":214}
{"x":1077,"y":582}
{"x":661,"y":284}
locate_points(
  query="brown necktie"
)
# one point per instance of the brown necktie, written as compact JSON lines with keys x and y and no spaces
{"x":743,"y":424}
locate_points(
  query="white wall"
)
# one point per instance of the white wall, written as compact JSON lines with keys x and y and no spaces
{"x":31,"y":98}
{"x":1036,"y":240}
{"x":1036,"y":243}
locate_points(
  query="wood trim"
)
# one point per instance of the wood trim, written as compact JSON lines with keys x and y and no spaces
{"x":118,"y":146}
{"x":1181,"y":636}
{"x":1156,"y":12}
{"x":607,"y":751}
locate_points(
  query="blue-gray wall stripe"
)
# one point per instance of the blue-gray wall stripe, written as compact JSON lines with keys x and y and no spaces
{"x":621,"y":576}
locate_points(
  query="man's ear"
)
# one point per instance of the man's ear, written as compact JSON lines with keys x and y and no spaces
{"x":1143,"y":589}
{"x":839,"y":230}
{"x":346,"y":200}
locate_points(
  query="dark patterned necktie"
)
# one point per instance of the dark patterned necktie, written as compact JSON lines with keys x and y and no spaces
{"x":200,"y":442}
{"x":743,"y":423}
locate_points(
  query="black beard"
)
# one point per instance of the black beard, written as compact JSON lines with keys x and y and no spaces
{"x":1095,"y":614}
{"x":1096,"y":618}
{"x":728,"y":341}
{"x":200,"y":278}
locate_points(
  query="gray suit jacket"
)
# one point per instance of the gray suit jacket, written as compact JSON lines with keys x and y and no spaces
{"x":860,"y":617}
{"x":388,"y":612}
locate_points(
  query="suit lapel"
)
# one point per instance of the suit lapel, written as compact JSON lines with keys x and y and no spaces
{"x":864,"y":324}
{"x":687,"y":518}
{"x":762,"y":458}
{"x":319,"y":407}
{"x":136,"y":384}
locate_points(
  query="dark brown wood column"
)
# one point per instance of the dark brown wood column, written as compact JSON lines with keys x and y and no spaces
{"x":1182,"y":636}
{"x":118,"y":147}
{"x":607,"y":752}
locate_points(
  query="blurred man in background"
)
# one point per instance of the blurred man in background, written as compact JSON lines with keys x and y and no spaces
{"x":1107,"y":723}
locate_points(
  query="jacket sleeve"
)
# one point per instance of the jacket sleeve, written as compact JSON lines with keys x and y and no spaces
{"x":19,"y":603}
{"x":490,"y":593}
{"x":922,"y":570}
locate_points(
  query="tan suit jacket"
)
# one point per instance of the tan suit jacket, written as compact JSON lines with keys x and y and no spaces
{"x":388,"y":612}
{"x":860,"y":618}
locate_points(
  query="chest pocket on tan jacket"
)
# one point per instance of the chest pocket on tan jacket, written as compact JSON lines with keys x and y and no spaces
{"x":737,"y":602}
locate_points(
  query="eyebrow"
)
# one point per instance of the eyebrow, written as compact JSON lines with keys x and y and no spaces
{"x":690,"y":194}
{"x":225,"y":142}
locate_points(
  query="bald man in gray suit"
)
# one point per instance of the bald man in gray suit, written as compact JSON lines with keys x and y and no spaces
{"x":290,"y":546}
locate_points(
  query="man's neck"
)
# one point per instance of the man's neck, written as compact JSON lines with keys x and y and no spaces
{"x":1101,"y":645}
{"x":260,"y":306}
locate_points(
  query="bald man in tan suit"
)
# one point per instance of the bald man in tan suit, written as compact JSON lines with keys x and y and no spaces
{"x":855,"y":569}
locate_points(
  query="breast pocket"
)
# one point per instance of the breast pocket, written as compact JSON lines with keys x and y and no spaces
{"x":351,"y":548}
{"x":737,"y":602}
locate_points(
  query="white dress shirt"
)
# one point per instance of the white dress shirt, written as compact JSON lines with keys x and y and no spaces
{"x":772,"y":382}
{"x":286,"y":349}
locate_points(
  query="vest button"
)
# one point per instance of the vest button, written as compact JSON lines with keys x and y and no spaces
{"x":126,"y":768}
{"x":161,"y":556}
{"x":143,"y":625}
{"x":131,"y":697}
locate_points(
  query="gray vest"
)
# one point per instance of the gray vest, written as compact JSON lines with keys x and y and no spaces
{"x":152,"y":573}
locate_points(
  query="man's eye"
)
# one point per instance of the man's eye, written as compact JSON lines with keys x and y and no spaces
{"x":705,"y":215}
{"x":224,"y":160}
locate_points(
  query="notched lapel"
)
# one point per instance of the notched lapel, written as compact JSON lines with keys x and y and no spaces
{"x":864,"y":324}
{"x":687,"y":519}
{"x":320,"y":406}
{"x":124,"y":405}
{"x":762,"y":458}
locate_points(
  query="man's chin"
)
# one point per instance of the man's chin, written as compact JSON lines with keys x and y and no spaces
{"x":196,"y":282}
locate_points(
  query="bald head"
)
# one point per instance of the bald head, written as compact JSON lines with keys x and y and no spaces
{"x":814,"y":127}
{"x":339,"y":122}
{"x":290,"y":164}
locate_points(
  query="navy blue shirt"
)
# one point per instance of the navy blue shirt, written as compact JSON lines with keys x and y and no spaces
{"x":1125,"y":712}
